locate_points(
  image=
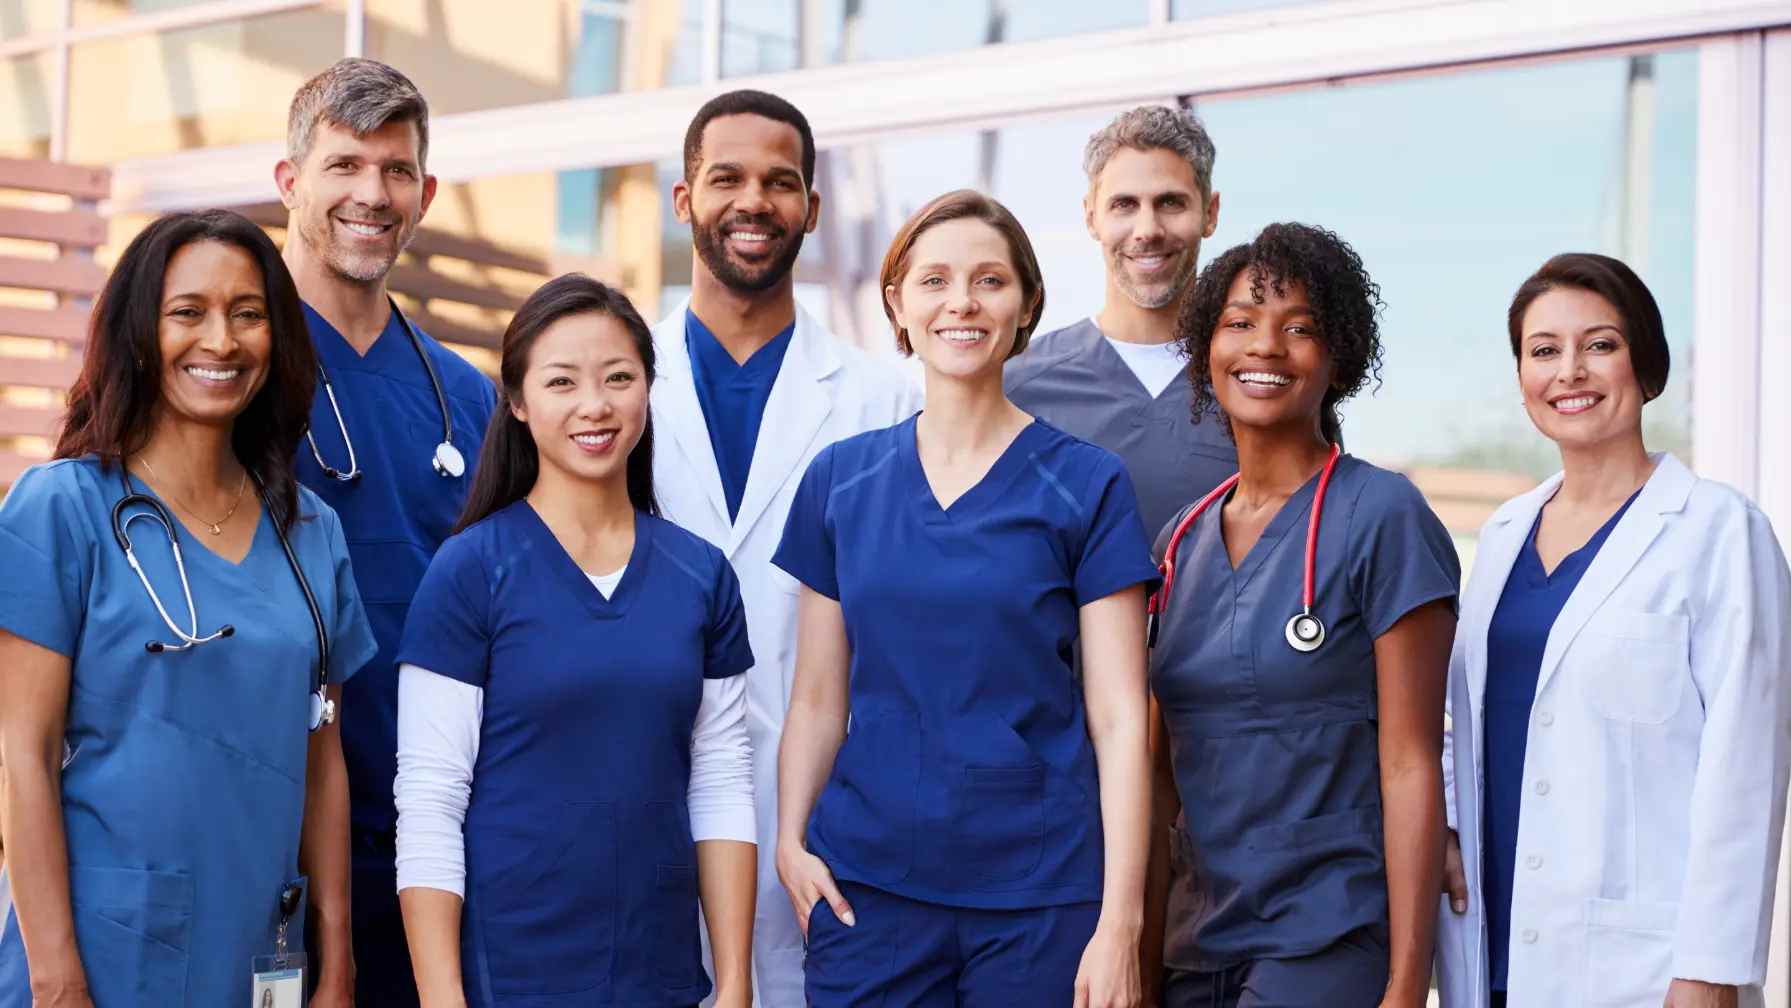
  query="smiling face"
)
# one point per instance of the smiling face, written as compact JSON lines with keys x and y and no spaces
{"x":1269,"y":367}
{"x":1579,"y":383}
{"x":748,"y":206}
{"x":214,"y":336}
{"x":1147,"y":212}
{"x":960,"y":300}
{"x":356,"y":201}
{"x":584,"y":397}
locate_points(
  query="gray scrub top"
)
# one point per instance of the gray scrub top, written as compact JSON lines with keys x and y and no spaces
{"x":1275,"y":752}
{"x":1075,"y":381}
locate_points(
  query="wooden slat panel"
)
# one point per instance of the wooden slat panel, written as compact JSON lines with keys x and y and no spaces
{"x":28,"y":421}
{"x":457,"y":332}
{"x":79,"y":181}
{"x":67,"y":324}
{"x":66,"y":275}
{"x":80,"y":228}
{"x":423,"y":284}
{"x":40,"y":372}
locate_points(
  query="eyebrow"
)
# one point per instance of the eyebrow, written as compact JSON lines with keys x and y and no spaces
{"x":987,"y":264}
{"x":1599,"y":327}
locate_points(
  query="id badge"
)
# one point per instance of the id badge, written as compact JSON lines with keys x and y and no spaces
{"x":279,"y":981}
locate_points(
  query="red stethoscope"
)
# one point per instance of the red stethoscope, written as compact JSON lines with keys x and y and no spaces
{"x":1305,"y":631}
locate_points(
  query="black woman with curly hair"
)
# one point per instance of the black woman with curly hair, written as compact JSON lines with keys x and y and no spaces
{"x":1305,"y":622}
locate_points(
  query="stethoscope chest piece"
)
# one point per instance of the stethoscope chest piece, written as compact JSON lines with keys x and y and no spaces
{"x":448,"y":461}
{"x":323,"y":710}
{"x":1305,"y":632}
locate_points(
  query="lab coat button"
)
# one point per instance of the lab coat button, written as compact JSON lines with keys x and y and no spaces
{"x":1533,"y":862}
{"x":1542,"y":787}
{"x":1530,"y":936}
{"x":1547,"y":718}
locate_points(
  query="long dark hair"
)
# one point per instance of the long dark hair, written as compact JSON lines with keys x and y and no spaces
{"x":508,"y":463}
{"x":111,"y":407}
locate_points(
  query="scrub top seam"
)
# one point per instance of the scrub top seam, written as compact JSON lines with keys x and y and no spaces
{"x":184,"y":730}
{"x":865,"y":473}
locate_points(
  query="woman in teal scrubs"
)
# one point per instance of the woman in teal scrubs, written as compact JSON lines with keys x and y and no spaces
{"x":165,"y":793}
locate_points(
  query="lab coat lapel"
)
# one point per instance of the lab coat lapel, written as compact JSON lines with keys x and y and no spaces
{"x":1663,"y":494}
{"x":678,"y":412}
{"x":1494,"y":557}
{"x":798,"y":407}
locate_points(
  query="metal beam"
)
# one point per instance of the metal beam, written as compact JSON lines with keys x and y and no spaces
{"x":869,"y":101}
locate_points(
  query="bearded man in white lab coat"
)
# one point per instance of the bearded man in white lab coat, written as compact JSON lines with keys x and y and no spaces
{"x":749,"y":389}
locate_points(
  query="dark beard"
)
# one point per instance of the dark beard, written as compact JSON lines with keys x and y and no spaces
{"x":708,"y":244}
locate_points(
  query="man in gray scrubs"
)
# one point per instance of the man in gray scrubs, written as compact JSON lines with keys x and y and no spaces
{"x":1117,"y":379}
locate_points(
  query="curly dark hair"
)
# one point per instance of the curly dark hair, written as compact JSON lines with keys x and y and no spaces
{"x":1344,"y":300}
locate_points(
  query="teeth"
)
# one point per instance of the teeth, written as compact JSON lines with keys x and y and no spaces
{"x":961,"y":335}
{"x":595,"y":440}
{"x":748,"y":236}
{"x":213,"y":374}
{"x":1264,"y":378}
{"x":365,"y":229}
{"x":1150,"y":261}
{"x":1575,"y":403}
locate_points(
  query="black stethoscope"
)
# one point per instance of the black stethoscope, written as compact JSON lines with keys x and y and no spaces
{"x":447,"y":460}
{"x":1305,"y":631}
{"x":323,"y":710}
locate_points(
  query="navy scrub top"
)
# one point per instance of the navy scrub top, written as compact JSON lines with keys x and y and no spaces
{"x":1515,"y":641}
{"x":733,"y":398}
{"x":184,"y":801}
{"x":1275,"y":752}
{"x":1074,"y":380}
{"x":967,"y":777}
{"x":394,"y":516}
{"x":581,"y":877}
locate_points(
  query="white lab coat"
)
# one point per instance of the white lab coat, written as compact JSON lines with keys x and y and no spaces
{"x":1656,"y":763}
{"x":825,"y":391}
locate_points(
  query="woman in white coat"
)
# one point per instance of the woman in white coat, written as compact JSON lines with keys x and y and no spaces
{"x":1618,"y":761}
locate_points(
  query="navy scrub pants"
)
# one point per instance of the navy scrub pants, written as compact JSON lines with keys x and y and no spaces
{"x":907,"y":954}
{"x":1352,"y":973}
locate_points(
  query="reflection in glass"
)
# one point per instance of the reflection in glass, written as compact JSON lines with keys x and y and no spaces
{"x":1187,"y":9}
{"x":852,"y":30}
{"x":25,"y":83}
{"x":214,"y":85}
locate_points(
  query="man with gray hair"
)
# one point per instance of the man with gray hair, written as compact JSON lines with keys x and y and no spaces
{"x":1116,"y":379}
{"x":395,"y":419}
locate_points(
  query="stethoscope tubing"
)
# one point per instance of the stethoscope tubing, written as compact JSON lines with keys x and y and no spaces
{"x":1305,"y":632}
{"x":435,"y":385}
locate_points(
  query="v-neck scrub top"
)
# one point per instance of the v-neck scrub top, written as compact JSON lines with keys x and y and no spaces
{"x":1275,"y":751}
{"x":581,"y":884}
{"x":1516,"y":638}
{"x":733,"y":397}
{"x":184,"y":800}
{"x":1075,"y":380}
{"x":393,"y":515}
{"x":967,"y":777}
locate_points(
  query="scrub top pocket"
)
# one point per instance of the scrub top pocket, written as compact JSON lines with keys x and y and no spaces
{"x":677,"y":952}
{"x":546,"y":947}
{"x":1000,"y":821}
{"x":1640,"y":664}
{"x":132,"y":928}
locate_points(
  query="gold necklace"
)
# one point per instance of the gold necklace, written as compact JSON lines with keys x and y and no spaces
{"x":215,"y":528}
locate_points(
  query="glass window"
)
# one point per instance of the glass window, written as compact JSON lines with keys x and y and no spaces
{"x":19,"y":18}
{"x":1187,"y":9}
{"x":213,"y":85}
{"x":760,"y":36}
{"x":469,"y":57}
{"x":90,"y":12}
{"x":852,"y":30}
{"x":25,"y":83}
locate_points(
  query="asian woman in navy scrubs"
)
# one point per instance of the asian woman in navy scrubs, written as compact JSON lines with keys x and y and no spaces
{"x":1313,"y":807}
{"x":574,"y":775}
{"x":961,"y":819}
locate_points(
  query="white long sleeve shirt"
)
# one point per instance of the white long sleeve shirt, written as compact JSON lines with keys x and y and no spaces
{"x":439,"y":721}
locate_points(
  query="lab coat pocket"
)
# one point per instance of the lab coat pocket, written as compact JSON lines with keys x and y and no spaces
{"x":1639,"y":664}
{"x":1001,"y":821}
{"x":677,"y":947}
{"x":1629,"y":952}
{"x":132,"y":928}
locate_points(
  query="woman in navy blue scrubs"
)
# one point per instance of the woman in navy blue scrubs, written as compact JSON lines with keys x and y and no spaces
{"x":574,"y":775}
{"x":978,"y":836}
{"x":1312,"y":835}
